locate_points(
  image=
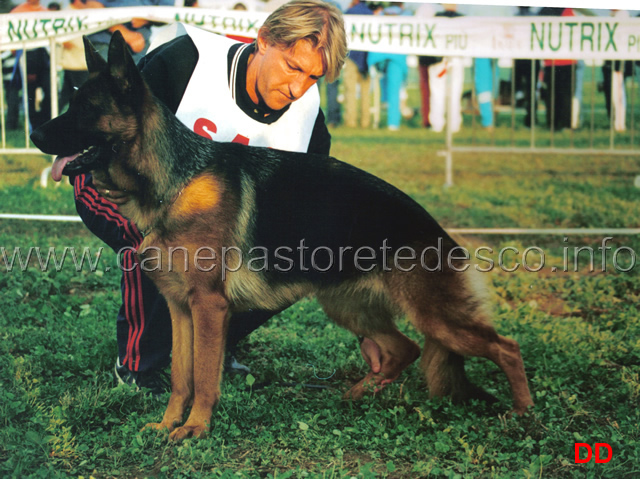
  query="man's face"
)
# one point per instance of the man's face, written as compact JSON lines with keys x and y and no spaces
{"x":285,"y":74}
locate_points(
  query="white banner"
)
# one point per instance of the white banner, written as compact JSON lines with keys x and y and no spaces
{"x":508,"y":37}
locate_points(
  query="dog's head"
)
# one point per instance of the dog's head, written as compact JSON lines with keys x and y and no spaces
{"x":103,"y":116}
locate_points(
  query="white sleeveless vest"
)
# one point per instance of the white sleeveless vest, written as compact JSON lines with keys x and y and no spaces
{"x":208,"y":105}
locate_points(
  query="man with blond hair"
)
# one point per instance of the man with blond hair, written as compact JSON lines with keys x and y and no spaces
{"x":258,"y":94}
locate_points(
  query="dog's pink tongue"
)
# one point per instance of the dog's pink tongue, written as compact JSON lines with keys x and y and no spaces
{"x":59,"y":164}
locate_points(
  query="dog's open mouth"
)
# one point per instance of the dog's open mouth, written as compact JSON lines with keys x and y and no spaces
{"x":77,"y":163}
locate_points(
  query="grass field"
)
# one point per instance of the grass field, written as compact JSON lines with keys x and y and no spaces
{"x":579,"y":330}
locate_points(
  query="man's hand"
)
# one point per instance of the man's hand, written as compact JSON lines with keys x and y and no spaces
{"x":105,"y":189}
{"x":371,"y":353}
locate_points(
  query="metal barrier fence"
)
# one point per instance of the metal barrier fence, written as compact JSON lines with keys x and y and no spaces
{"x":52,"y":95}
{"x":587,"y":134}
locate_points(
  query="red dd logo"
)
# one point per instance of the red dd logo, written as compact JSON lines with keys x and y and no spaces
{"x":598,"y":447}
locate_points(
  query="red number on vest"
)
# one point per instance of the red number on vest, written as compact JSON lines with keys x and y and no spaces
{"x":207,"y":128}
{"x":203,"y":127}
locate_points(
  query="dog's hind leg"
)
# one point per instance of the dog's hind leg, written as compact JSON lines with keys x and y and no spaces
{"x":445,"y":375}
{"x":181,"y":368}
{"x":446,"y":308}
{"x":369,"y":315}
{"x":210,"y":317}
{"x":397,"y":352}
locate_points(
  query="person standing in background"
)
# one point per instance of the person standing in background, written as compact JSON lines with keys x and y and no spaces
{"x":526,"y":73}
{"x":486,"y":75}
{"x":393,"y":66}
{"x":72,"y":58}
{"x":356,"y":76}
{"x":614,"y":74}
{"x":334,"y":109}
{"x":439,"y":73}
{"x":426,"y":10}
{"x":38,"y":74}
{"x":559,"y":81}
{"x":136,"y":33}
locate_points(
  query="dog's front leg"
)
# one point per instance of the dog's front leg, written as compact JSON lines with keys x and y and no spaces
{"x":181,"y":368}
{"x":210,"y":316}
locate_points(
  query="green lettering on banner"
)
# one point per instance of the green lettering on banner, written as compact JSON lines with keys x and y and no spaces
{"x":571,"y":25}
{"x":430,"y":35}
{"x":58,"y":24}
{"x":404,"y":35}
{"x":599,"y":35}
{"x":22,"y":30}
{"x":12,"y":30}
{"x":253,"y":25}
{"x":379,"y":34}
{"x":557,"y":47}
{"x":355,"y":33}
{"x":586,"y":38}
{"x":44,"y":22}
{"x":229,"y":22}
{"x":537,"y":36}
{"x":611,"y":39}
{"x":390,"y":28}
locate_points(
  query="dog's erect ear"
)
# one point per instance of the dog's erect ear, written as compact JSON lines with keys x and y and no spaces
{"x":95,"y":62}
{"x":122,"y":68}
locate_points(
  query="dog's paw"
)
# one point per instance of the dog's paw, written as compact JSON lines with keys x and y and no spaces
{"x":523,"y":409}
{"x":371,"y":384}
{"x":159,"y":426}
{"x":185,"y":432}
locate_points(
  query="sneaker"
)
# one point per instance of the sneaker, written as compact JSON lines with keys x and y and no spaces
{"x":156,"y":381}
{"x":233,"y":366}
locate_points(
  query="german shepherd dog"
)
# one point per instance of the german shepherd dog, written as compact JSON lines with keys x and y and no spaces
{"x":378,"y":254}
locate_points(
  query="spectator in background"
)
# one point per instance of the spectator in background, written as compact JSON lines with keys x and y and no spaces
{"x":559,"y":80}
{"x":72,"y":59}
{"x":439,"y":73}
{"x":485,"y":79}
{"x":526,"y":73}
{"x":356,"y":76}
{"x":425,"y":10}
{"x":614,"y":74}
{"x":136,"y":33}
{"x":12,"y":94}
{"x":486,"y":76}
{"x":579,"y":68}
{"x":394,"y":69}
{"x":38,"y":74}
{"x":334,"y":111}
